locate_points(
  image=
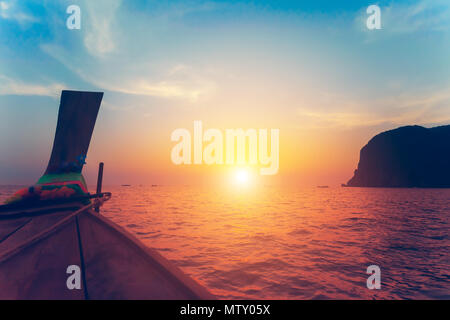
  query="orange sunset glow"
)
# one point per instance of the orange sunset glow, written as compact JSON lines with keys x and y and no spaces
{"x":224,"y":150}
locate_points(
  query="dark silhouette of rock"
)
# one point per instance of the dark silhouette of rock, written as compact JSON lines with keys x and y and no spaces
{"x":406,"y":157}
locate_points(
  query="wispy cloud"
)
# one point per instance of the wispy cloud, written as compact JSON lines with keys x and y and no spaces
{"x":99,"y":39}
{"x":10,"y":86}
{"x":10,"y":11}
{"x":423,"y":15}
{"x":404,"y":18}
{"x":421,"y":108}
{"x":178,"y":82}
{"x":162,"y":89}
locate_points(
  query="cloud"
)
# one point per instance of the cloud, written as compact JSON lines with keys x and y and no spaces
{"x":131,"y":57}
{"x":420,"y":108}
{"x":180,"y":81}
{"x":9,"y":11}
{"x":9,"y":86}
{"x":423,"y":15}
{"x":162,"y":89}
{"x":4,"y":6}
{"x":400,"y":18}
{"x":177,"y":81}
{"x":99,"y":39}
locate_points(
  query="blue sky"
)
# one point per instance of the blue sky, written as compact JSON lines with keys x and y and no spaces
{"x":310,"y":67}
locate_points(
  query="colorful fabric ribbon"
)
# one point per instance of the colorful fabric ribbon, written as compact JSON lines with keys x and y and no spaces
{"x":52,"y":186}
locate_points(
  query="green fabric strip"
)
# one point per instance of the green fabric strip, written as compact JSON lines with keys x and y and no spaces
{"x":62,"y":177}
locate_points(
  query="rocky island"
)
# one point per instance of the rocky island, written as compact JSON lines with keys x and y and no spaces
{"x":406,"y":157}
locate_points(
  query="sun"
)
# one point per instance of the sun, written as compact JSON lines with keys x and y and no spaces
{"x":242,"y":176}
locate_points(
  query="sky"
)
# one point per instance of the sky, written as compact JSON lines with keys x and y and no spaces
{"x":311,"y":69}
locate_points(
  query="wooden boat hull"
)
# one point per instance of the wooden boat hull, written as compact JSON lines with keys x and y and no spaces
{"x":34,"y":257}
{"x":41,"y":238}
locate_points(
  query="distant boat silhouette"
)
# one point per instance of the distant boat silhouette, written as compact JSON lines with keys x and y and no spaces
{"x":322,"y":187}
{"x":126,"y":185}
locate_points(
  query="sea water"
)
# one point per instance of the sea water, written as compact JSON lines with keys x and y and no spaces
{"x":295,"y":243}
